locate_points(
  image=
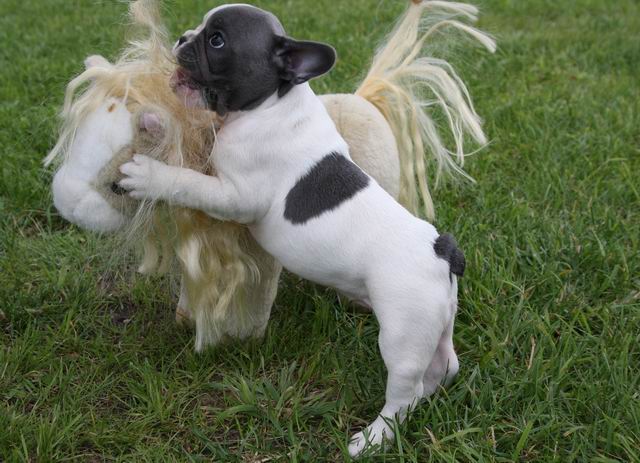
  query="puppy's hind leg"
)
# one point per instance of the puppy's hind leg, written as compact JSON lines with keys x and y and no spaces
{"x":444,"y":365}
{"x":408,"y":339}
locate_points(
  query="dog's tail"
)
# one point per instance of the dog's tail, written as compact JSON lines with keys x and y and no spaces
{"x":407,"y":84}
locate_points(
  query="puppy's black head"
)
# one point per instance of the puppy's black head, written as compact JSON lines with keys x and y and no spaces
{"x":240,"y":56}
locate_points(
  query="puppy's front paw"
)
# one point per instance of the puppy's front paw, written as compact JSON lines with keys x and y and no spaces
{"x":145,"y":178}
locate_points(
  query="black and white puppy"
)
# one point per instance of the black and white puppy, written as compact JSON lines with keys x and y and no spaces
{"x":284,"y":170}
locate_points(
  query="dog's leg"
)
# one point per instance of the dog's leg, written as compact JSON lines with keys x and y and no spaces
{"x":409,"y":335}
{"x":444,"y":366}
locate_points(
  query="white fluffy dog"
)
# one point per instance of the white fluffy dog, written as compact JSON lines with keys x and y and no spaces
{"x":284,"y":171}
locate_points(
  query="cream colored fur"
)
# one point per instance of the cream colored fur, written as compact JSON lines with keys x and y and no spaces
{"x":371,"y":141}
{"x":214,"y":257}
{"x":407,"y":85}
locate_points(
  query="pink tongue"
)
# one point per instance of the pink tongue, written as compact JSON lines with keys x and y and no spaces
{"x":186,"y":90}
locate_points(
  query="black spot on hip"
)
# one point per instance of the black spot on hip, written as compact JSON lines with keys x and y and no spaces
{"x":446,"y":248}
{"x":331,"y":182}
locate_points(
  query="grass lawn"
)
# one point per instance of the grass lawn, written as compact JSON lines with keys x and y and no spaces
{"x":93,"y":368}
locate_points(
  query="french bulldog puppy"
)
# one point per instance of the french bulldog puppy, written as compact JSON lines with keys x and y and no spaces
{"x":284,"y":171}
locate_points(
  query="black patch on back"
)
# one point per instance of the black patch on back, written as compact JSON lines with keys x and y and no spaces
{"x":446,"y":248}
{"x":331,"y":182}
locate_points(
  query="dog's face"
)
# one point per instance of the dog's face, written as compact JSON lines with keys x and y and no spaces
{"x":240,"y":56}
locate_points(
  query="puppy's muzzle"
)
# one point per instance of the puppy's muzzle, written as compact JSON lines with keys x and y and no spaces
{"x":186,"y":55}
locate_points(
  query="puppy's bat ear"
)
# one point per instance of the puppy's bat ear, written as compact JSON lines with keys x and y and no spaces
{"x":300,"y":61}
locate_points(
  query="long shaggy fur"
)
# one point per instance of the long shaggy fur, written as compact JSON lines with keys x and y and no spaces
{"x":405,"y":83}
{"x":211,"y":254}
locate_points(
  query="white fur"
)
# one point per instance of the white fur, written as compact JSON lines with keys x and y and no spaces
{"x":369,"y":248}
{"x":103,"y":133}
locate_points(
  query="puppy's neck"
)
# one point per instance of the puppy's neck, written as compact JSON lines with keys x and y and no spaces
{"x":293,"y":101}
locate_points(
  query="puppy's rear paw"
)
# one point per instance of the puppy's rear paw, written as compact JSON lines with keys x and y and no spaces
{"x":357,"y":445}
{"x":371,"y":439}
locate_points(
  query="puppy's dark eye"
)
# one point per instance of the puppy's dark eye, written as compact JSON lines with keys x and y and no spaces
{"x":216,"y":40}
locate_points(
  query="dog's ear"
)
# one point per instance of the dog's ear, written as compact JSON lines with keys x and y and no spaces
{"x":300,"y":61}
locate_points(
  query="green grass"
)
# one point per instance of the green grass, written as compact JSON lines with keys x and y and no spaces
{"x":92,"y":367}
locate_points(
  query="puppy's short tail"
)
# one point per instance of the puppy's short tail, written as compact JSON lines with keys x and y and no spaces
{"x":446,"y":248}
{"x":406,"y":84}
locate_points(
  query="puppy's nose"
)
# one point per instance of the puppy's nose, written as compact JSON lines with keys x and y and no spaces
{"x":181,"y":41}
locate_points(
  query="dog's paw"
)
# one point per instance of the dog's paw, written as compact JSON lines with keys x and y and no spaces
{"x":371,"y":439}
{"x":145,"y":178}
